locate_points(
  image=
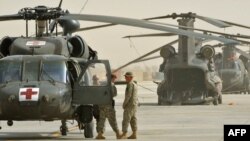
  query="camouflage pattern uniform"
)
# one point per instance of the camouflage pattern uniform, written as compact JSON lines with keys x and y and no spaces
{"x":130,"y":108}
{"x":108,"y":111}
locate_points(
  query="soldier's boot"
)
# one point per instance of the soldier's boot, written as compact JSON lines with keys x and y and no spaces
{"x":133,"y":136}
{"x":124,"y":135}
{"x":100,"y":136}
{"x":118,"y":135}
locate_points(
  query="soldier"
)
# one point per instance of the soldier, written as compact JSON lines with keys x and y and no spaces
{"x":95,"y":80}
{"x":130,"y":107}
{"x":108,"y":111}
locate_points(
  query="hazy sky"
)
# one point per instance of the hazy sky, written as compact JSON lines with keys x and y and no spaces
{"x":108,"y":41}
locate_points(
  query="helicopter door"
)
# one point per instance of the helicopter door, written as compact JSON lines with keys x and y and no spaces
{"x":94,"y":84}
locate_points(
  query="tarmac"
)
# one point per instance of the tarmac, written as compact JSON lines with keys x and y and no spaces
{"x":161,"y":123}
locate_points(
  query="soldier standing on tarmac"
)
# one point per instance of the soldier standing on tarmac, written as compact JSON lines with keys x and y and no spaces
{"x":108,"y":111}
{"x":130,"y":107}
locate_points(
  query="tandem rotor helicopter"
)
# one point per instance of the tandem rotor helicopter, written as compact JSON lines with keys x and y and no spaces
{"x":49,"y":77}
{"x":190,"y":75}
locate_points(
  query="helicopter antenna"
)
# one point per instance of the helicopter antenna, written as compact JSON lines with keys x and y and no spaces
{"x":83,"y":6}
{"x":60,"y":4}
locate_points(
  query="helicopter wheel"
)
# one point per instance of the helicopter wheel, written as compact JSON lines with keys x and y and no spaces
{"x":159,"y":100}
{"x":63,"y":130}
{"x":216,"y":100}
{"x":88,"y":130}
{"x":220,"y":99}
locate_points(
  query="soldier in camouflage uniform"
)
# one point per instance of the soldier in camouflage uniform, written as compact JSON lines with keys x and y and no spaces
{"x":108,"y":111}
{"x":130,"y":107}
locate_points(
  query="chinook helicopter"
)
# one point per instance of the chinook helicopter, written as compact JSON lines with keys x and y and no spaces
{"x":233,"y":69}
{"x":49,"y":77}
{"x":190,"y":76}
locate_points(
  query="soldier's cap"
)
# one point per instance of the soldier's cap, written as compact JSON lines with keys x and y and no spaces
{"x":113,"y":76}
{"x":129,"y":74}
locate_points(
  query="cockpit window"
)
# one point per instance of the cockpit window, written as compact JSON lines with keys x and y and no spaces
{"x":54,"y":71}
{"x":10,"y":71}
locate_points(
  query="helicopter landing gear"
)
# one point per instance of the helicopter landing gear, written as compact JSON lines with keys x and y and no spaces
{"x":220,"y":99}
{"x":159,"y":100}
{"x":9,"y":122}
{"x":88,"y":130}
{"x":63,"y":128}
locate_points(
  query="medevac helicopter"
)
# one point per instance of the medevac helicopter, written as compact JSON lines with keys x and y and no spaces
{"x":190,"y":76}
{"x":49,"y":77}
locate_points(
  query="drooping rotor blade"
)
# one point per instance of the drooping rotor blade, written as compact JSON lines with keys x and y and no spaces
{"x":151,"y":35}
{"x":206,"y":31}
{"x":143,"y":24}
{"x":145,"y":55}
{"x":100,"y":26}
{"x":94,"y":27}
{"x":11,"y":17}
{"x":212,"y":21}
{"x":236,"y":24}
{"x":147,"y":59}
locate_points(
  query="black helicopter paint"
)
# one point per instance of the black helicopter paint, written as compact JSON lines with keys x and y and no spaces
{"x":190,"y":76}
{"x":50,"y":77}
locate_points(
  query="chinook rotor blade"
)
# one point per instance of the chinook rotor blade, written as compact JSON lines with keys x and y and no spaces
{"x":236,"y":24}
{"x":206,"y":31}
{"x":147,"y":59}
{"x":143,"y":24}
{"x":11,"y":17}
{"x":212,"y":21}
{"x":145,"y":55}
{"x":151,"y":35}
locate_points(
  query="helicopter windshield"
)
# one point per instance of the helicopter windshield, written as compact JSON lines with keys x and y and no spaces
{"x":33,"y":70}
{"x":10,"y":71}
{"x":54,"y":70}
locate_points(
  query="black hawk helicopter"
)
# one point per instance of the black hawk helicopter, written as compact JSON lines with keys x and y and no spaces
{"x":189,"y":75}
{"x":49,"y":77}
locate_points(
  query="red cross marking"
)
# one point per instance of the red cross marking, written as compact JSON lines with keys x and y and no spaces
{"x":28,"y":93}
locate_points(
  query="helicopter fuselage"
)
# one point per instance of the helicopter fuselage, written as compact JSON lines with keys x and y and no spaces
{"x":35,"y":88}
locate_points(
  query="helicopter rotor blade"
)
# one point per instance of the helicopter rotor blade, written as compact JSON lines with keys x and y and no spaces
{"x":101,"y":26}
{"x":212,"y":21}
{"x":11,"y":17}
{"x":206,"y":31}
{"x":236,"y":24}
{"x":151,"y":35}
{"x":147,"y":59}
{"x":145,"y":55}
{"x":143,"y":24}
